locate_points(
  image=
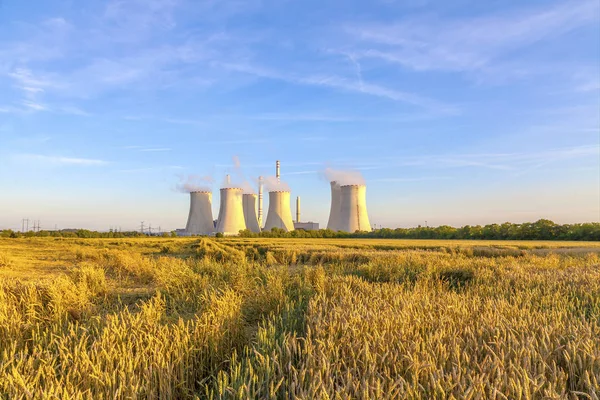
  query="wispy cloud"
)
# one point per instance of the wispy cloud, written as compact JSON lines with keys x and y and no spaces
{"x":514,"y":163}
{"x":286,"y":116}
{"x":33,"y":89}
{"x":152,"y":169}
{"x":60,"y":160}
{"x":415,"y":179}
{"x":135,"y":24}
{"x":156,"y":149}
{"x":469,"y":43}
{"x":32,"y":105}
{"x":345,"y":84}
{"x":8,"y":109}
{"x":239,"y":141}
{"x":72,"y":110}
{"x":310,"y":172}
{"x":146,"y":149}
{"x":300,"y":117}
{"x":33,"y":140}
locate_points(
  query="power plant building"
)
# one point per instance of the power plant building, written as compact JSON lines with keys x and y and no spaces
{"x":306,"y":226}
{"x":238,"y":211}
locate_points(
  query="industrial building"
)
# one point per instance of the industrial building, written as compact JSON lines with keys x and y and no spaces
{"x":306,"y":226}
{"x":238,"y":210}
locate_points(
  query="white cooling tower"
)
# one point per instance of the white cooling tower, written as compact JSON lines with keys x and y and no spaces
{"x":250,"y":217}
{"x":353,"y":209}
{"x":200,"y":220}
{"x":280,"y":212}
{"x":334,"y":212}
{"x":231,"y":214}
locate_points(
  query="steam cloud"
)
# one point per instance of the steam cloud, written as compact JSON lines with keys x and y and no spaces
{"x":194,"y":183}
{"x":272,"y":185}
{"x":238,"y":180}
{"x":344,"y":177}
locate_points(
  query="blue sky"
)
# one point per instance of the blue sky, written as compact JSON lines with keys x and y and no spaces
{"x":455,"y":112}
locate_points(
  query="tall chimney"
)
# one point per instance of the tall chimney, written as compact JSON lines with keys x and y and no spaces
{"x":278,"y":171}
{"x":260,"y":201}
{"x":228,"y":179}
{"x":298,"y":209}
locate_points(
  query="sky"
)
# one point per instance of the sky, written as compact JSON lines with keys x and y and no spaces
{"x":455,"y":112}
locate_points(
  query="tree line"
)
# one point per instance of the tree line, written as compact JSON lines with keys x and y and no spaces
{"x":542,"y":229}
{"x":80,"y":233}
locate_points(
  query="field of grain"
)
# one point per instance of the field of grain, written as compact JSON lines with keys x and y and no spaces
{"x":237,"y":318}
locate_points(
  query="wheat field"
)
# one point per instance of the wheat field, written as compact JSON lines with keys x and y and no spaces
{"x":177,"y":318}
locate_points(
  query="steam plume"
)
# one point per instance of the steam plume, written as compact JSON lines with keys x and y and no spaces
{"x":272,"y":185}
{"x":238,"y":179}
{"x":348,"y":177}
{"x":194,"y":183}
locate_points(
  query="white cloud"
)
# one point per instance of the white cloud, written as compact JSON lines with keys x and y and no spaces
{"x":156,"y":149}
{"x":345,"y":84}
{"x":515,"y":163}
{"x":34,"y":106}
{"x":415,"y":179}
{"x":60,"y":160}
{"x":467,"y":44}
{"x":153,"y":169}
{"x":310,"y":172}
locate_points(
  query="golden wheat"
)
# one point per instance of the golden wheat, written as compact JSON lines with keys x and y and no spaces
{"x":307,"y":319}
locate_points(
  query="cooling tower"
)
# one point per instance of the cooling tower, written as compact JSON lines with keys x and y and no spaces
{"x":280,"y":212}
{"x":200,"y":220}
{"x":353,"y":209}
{"x":231,"y":214}
{"x":334,"y":212}
{"x":249,"y":202}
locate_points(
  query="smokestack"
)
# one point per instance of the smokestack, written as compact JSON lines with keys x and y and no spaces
{"x":298,"y":209}
{"x":278,"y":171}
{"x":231,"y":214}
{"x":280,"y":213}
{"x":249,"y":203}
{"x":334,"y":212}
{"x":228,"y":180}
{"x":260,"y":201}
{"x":200,"y":219}
{"x":353,"y":209}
